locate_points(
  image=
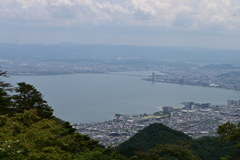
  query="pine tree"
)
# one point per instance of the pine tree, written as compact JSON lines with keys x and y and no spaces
{"x":29,"y":98}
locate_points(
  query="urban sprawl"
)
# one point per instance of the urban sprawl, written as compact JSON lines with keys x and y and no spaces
{"x":196,"y":120}
{"x":222,"y":78}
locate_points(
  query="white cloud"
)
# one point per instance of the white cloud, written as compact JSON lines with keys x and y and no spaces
{"x":227,"y":2}
{"x":144,"y":11}
{"x":163,"y":6}
{"x":217,"y":20}
{"x":212,"y":6}
{"x":191,"y":14}
{"x":185,"y":9}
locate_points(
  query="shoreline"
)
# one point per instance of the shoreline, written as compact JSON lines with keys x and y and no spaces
{"x":192,"y":85}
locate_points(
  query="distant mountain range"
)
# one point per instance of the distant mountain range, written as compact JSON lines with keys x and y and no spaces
{"x":118,"y":53}
{"x":220,"y":66}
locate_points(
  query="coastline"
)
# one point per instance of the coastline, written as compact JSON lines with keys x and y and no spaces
{"x":145,"y":79}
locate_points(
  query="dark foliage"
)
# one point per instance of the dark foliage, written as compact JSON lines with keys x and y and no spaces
{"x":27,"y":98}
{"x":5,"y":102}
{"x":4,"y":85}
{"x":230,"y":132}
{"x":29,"y":131}
{"x":149,"y":137}
{"x":212,"y":148}
{"x":180,"y":151}
{"x":207,"y":148}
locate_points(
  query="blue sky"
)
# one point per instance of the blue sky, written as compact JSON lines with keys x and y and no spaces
{"x":198,"y":23}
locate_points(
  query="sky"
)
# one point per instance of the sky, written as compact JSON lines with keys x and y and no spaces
{"x":196,"y":23}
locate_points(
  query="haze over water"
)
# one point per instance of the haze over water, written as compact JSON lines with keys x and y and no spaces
{"x":80,"y":98}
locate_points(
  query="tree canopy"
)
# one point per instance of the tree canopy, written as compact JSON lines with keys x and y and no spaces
{"x":28,"y":97}
{"x":4,"y":85}
{"x":149,"y":141}
{"x":28,"y":130}
{"x":27,"y":136}
{"x":231,"y":132}
{"x":150,"y":137}
{"x":180,"y":151}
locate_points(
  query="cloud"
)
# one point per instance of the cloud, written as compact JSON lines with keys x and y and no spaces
{"x":227,"y":2}
{"x":143,"y":11}
{"x":189,"y":14}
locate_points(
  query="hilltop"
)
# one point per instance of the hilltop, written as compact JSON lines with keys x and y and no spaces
{"x":207,"y":148}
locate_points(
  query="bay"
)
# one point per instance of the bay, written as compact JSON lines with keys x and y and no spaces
{"x":81,"y":98}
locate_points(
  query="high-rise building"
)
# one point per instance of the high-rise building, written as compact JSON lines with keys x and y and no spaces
{"x":167,"y":109}
{"x":189,"y":105}
{"x":153,"y":76}
{"x":205,"y":105}
{"x":231,"y":102}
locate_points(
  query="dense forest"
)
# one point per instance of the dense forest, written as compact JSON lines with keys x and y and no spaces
{"x":206,"y":148}
{"x":29,"y":131}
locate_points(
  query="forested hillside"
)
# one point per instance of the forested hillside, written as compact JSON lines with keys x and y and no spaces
{"x":207,"y":148}
{"x":29,"y":131}
{"x":149,"y":137}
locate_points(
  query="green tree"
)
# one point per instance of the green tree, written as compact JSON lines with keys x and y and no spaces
{"x":212,"y":148}
{"x":25,"y":136}
{"x":180,"y":151}
{"x":29,"y":131}
{"x":5,"y":102}
{"x":150,"y":137}
{"x":28,"y":97}
{"x":101,"y":154}
{"x":4,"y":85}
{"x":230,"y":132}
{"x":29,"y":137}
{"x":5,"y":99}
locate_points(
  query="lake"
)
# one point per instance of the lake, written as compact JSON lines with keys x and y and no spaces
{"x":80,"y":98}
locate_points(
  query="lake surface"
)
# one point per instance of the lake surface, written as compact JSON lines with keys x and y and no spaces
{"x":80,"y":98}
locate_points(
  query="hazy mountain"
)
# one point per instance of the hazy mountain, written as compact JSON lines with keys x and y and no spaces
{"x":220,"y":66}
{"x":119,"y":52}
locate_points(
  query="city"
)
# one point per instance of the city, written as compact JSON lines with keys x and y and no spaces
{"x":222,"y":78}
{"x":105,"y":70}
{"x":187,"y":74}
{"x":196,"y":120}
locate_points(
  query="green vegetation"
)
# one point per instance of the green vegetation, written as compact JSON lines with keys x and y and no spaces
{"x":169,"y":151}
{"x":27,"y":136}
{"x":212,"y":148}
{"x":28,"y":97}
{"x":29,"y":131}
{"x":149,"y":137}
{"x":160,"y":113}
{"x":231,"y":133}
{"x":151,"y":141}
{"x":156,"y":115}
